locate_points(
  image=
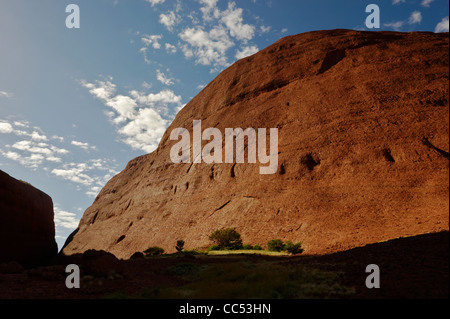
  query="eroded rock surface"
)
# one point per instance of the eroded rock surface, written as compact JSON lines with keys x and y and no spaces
{"x":363,"y":121}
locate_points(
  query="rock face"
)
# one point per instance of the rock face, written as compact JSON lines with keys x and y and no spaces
{"x":27,"y":229}
{"x":363,"y":120}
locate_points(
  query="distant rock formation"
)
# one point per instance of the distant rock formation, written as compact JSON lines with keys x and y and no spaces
{"x":363,"y":120}
{"x":27,"y":229}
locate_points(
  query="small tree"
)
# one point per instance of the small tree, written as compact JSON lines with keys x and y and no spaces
{"x":275,"y":245}
{"x":292,"y":248}
{"x":226,"y":238}
{"x":180,"y":246}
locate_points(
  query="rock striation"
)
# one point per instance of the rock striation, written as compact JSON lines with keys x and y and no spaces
{"x":363,"y":141}
{"x":27,"y":229}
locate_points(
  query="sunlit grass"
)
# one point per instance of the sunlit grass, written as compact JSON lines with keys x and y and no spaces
{"x":246,"y":252}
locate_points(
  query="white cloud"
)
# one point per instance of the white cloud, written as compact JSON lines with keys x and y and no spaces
{"x":161,"y":77}
{"x":103,"y":90}
{"x":76,"y":173}
{"x":209,"y":40}
{"x":65,"y":219}
{"x":6,"y":128}
{"x":152,"y":40}
{"x":59,"y":138}
{"x":416,"y":17}
{"x":144,"y":53}
{"x":146,"y":85}
{"x":91,"y":174}
{"x":442,"y":26}
{"x":155,"y":2}
{"x":163,"y":98}
{"x":168,"y":20}
{"x":141,"y":119}
{"x":265,"y":29}
{"x":6,"y":94}
{"x":394,"y":25}
{"x":145,"y":131}
{"x":93,"y":192}
{"x":170,"y":48}
{"x":32,"y":161}
{"x":209,"y":48}
{"x":246,"y":51}
{"x":54,"y":159}
{"x":34,"y":151}
{"x":398,"y":1}
{"x":31,"y":147}
{"x":82,"y":145}
{"x":38,"y":137}
{"x":22,"y":123}
{"x":12,"y":155}
{"x":209,"y":9}
{"x":426,"y":3}
{"x":124,"y":107}
{"x":232,"y":18}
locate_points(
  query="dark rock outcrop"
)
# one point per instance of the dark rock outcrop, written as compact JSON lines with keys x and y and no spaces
{"x":27,"y":229}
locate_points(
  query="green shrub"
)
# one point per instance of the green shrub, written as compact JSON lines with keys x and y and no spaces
{"x":257,"y":247}
{"x":275,"y":245}
{"x":213,"y":247}
{"x":193,"y":252}
{"x":292,"y":248}
{"x":227,"y":238}
{"x":247,"y":247}
{"x":154,"y":251}
{"x":180,"y":246}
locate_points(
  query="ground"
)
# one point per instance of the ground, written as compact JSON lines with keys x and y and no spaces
{"x":410,"y":268}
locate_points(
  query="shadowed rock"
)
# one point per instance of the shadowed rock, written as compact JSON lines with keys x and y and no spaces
{"x":27,"y":229}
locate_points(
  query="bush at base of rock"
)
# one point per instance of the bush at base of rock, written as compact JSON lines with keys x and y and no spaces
{"x":154,"y":251}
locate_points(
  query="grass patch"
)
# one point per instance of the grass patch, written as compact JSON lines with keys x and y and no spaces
{"x":246,"y":252}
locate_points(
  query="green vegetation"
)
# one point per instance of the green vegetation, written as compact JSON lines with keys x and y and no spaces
{"x":227,"y":241}
{"x":290,"y":247}
{"x":247,"y":252}
{"x":275,"y":245}
{"x":213,"y":248}
{"x":226,"y":238}
{"x":180,"y":246}
{"x":153,"y":251}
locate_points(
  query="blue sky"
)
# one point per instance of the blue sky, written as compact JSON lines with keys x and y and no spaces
{"x":77,"y":104}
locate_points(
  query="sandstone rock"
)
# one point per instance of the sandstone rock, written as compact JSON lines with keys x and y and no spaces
{"x":363,"y":123}
{"x":27,"y":229}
